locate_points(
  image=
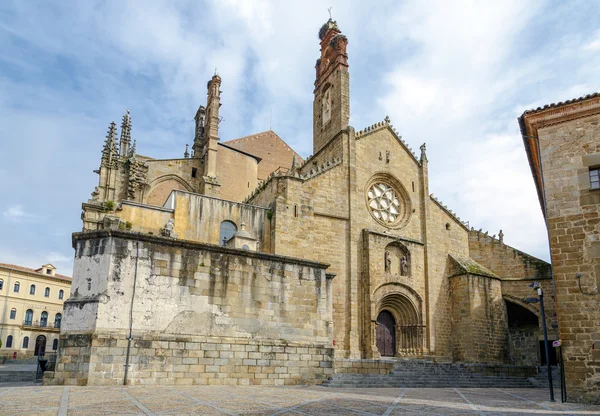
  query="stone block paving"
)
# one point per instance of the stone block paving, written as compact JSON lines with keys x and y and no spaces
{"x":278,"y":401}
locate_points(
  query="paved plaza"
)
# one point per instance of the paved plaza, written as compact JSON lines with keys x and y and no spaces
{"x":284,"y":401}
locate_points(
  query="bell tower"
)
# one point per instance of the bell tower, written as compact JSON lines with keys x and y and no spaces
{"x":331,"y":106}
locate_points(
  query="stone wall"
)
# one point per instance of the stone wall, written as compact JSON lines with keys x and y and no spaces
{"x":166,"y":359}
{"x":568,"y":151}
{"x":272,"y":309}
{"x":479,"y":327}
{"x":164,"y":175}
{"x":504,"y":260}
{"x":523,"y":345}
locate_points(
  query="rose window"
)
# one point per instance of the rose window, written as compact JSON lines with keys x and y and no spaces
{"x":384,"y":202}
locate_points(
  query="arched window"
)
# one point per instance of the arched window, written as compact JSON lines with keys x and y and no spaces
{"x":44,"y":319}
{"x":47,"y":292}
{"x":32,"y":290}
{"x":13,"y":313}
{"x":1,"y":284}
{"x":16,"y":287}
{"x":55,"y":344}
{"x":57,"y":320}
{"x":28,"y":317}
{"x":26,"y":342}
{"x":61,"y":294}
{"x":9,"y":341}
{"x":227,"y":230}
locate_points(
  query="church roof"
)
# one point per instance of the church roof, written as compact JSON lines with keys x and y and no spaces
{"x":270,"y":148}
{"x":465,"y":265}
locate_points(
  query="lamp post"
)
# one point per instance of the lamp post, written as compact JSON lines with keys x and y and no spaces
{"x":538,"y":287}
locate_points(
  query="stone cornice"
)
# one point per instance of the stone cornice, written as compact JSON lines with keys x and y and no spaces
{"x":166,"y":241}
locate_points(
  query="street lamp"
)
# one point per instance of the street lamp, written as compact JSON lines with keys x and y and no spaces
{"x":538,"y":287}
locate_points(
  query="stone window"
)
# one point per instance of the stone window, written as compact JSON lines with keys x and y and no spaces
{"x":16,"y":287}
{"x":194,"y":172}
{"x":9,"y":341}
{"x":55,"y":344}
{"x":26,"y":342}
{"x":384,"y":203}
{"x":47,"y":292}
{"x":595,"y":178}
{"x":388,"y":201}
{"x":1,"y":284}
{"x":57,"y":320}
{"x":48,"y":271}
{"x":227,"y":230}
{"x":13,"y":313}
{"x":32,"y":290}
{"x":61,"y":294}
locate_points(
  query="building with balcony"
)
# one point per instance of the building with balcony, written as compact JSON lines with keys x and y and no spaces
{"x":31,"y":309}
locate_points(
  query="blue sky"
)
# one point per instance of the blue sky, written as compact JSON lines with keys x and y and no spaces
{"x":453,"y":74}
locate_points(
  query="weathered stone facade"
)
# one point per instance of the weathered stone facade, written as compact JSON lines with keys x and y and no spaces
{"x":360,"y":204}
{"x":197,"y":314}
{"x":563,"y":144}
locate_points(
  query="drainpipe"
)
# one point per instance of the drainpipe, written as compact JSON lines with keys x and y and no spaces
{"x":130,"y":337}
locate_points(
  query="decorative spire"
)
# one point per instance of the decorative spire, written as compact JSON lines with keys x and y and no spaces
{"x":109,"y":151}
{"x":125,"y":134}
{"x":294,"y":163}
{"x":423,"y":154}
{"x":186,"y":154}
{"x":501,"y":237}
{"x":132,"y":150}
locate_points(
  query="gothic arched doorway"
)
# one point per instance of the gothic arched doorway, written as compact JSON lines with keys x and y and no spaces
{"x":386,"y":334}
{"x":40,"y":345}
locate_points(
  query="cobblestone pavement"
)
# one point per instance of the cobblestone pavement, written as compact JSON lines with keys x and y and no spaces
{"x":284,"y":401}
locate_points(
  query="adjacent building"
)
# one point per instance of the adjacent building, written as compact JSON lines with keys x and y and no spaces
{"x":242,"y":263}
{"x":563,"y":146}
{"x":31,"y":309}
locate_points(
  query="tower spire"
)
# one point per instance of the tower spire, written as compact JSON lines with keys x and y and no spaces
{"x":125,"y":134}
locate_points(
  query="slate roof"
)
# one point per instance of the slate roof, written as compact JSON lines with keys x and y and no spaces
{"x":34,"y":271}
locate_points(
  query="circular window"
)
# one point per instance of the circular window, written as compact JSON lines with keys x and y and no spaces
{"x":384,"y":203}
{"x":387,"y":202}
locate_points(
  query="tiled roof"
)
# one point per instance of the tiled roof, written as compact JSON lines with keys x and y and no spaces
{"x":561,"y":103}
{"x":33,"y":271}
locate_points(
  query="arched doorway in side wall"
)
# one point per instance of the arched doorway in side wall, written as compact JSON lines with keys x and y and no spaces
{"x":386,"y":334}
{"x":40,"y":345}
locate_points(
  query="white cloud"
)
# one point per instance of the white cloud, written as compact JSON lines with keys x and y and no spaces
{"x":17,"y":213}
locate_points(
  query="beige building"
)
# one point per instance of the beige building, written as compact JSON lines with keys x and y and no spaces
{"x":31,"y":309}
{"x":563,"y":145}
{"x":243,"y":263}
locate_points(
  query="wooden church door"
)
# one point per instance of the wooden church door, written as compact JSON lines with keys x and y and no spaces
{"x":386,"y":334}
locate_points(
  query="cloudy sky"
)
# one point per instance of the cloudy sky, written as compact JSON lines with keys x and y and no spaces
{"x":454,"y":74}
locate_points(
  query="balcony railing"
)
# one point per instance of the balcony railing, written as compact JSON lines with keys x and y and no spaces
{"x":41,"y":325}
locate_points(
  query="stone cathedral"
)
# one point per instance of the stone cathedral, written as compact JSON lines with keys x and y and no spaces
{"x":242,"y":263}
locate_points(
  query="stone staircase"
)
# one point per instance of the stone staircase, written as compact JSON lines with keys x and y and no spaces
{"x":425,"y":373}
{"x":541,"y":379}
